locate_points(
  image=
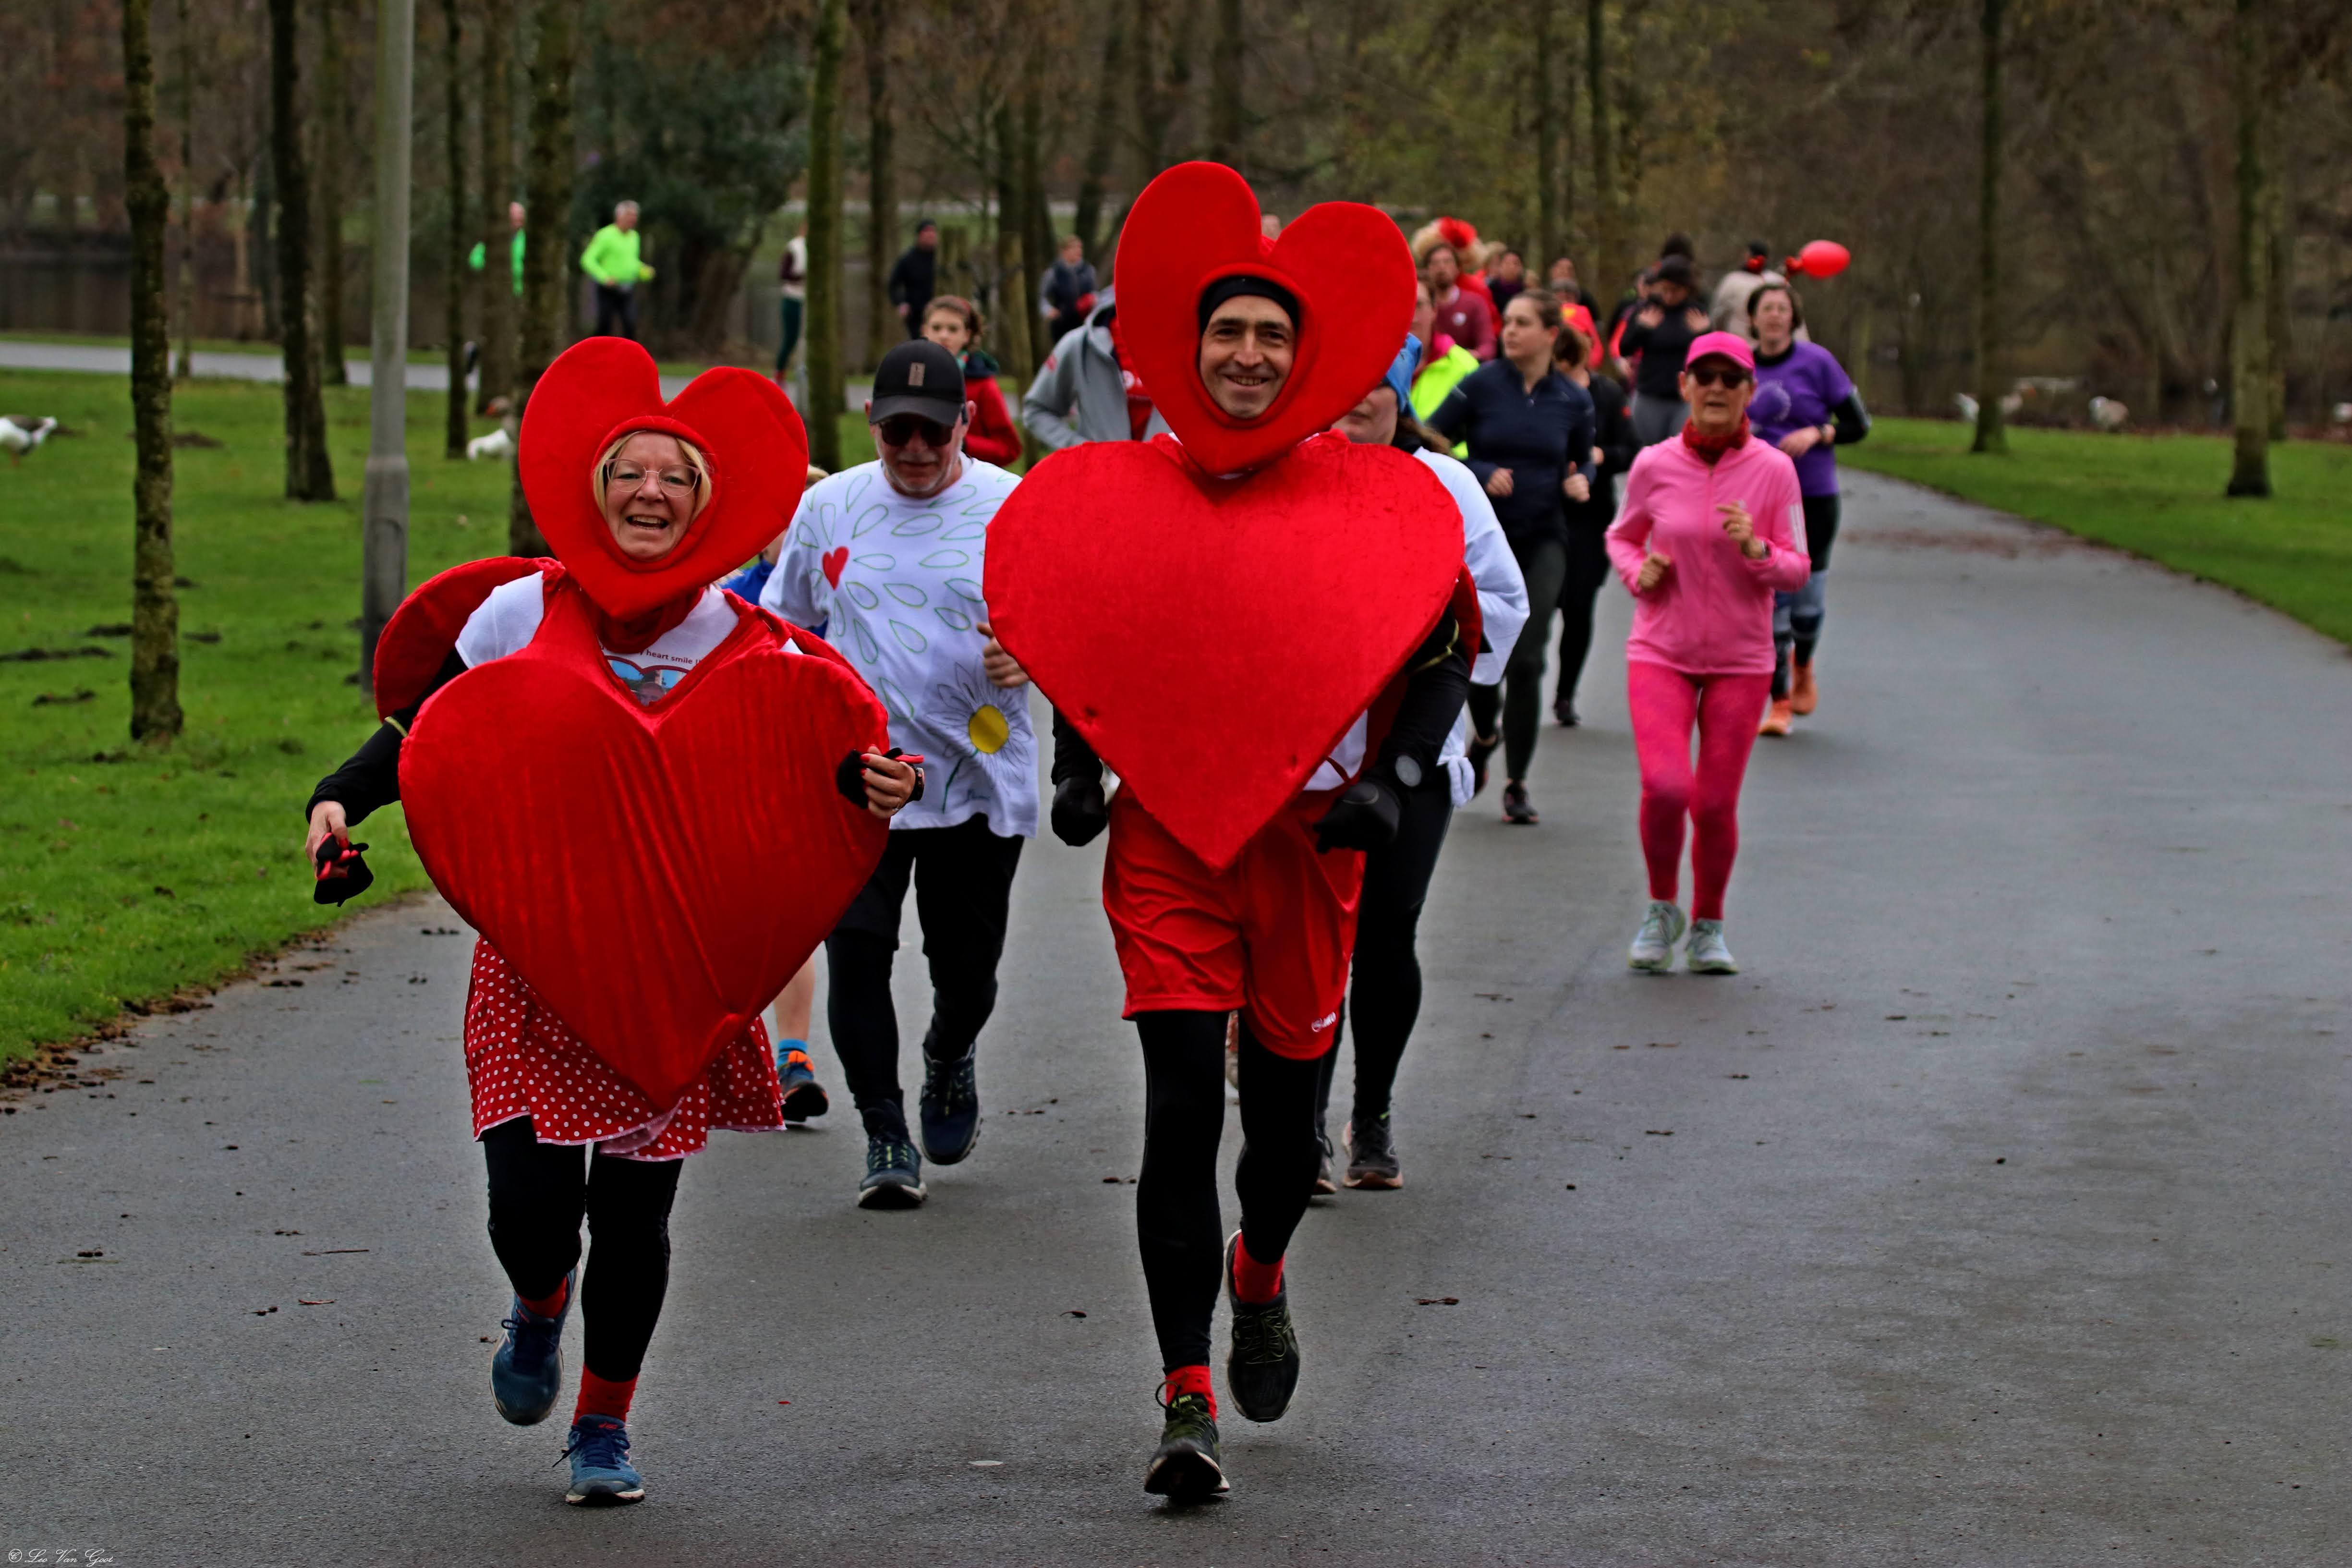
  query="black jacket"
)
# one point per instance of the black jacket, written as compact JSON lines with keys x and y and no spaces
{"x":1541,"y":435}
{"x":913,"y":281}
{"x":1663,"y":348}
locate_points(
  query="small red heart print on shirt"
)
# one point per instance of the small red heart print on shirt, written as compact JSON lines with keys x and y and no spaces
{"x":834,"y":561}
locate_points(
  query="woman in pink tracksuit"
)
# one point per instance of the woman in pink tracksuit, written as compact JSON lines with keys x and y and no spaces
{"x":1712,"y":525}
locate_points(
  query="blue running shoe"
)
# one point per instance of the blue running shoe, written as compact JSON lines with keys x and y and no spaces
{"x":950,"y":1107}
{"x":894,"y":1174}
{"x":803,"y":1097}
{"x":527,"y":1369}
{"x":601,"y":1471}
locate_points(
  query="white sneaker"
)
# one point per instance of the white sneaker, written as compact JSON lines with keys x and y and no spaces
{"x":1653,"y":944}
{"x":1707,"y":954}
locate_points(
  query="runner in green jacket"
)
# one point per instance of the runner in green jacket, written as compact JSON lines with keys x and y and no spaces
{"x":610,"y":262}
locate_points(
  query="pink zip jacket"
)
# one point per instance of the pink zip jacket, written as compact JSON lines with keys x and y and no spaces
{"x":1712,"y":613}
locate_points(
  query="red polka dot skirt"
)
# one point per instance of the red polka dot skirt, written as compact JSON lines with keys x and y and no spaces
{"x":523,"y":1061}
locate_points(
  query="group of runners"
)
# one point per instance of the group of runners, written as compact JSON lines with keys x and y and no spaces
{"x":1241,"y":961}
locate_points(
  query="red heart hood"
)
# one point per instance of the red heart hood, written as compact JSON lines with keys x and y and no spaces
{"x":1346,"y":265}
{"x":603,"y":388}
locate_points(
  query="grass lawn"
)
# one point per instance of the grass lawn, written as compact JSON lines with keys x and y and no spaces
{"x":2156,"y":496}
{"x":125,"y":874}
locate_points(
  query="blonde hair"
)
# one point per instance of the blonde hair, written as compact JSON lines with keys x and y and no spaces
{"x":598,"y":475}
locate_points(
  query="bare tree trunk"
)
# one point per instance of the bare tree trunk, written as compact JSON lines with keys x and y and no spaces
{"x":1990,"y":437}
{"x":824,"y":412}
{"x":1013,"y":307}
{"x":547,"y":261}
{"x":2249,"y":344}
{"x":2281,"y":293}
{"x":1102,"y":136}
{"x":1226,"y":133}
{"x":334,"y":168}
{"x":1037,"y":236}
{"x":1608,"y":242}
{"x":498,"y":369}
{"x":452,"y":38}
{"x":1547,"y":127}
{"x":310,"y":472}
{"x":882,"y":329}
{"x":1143,"y":102}
{"x":154,"y":610}
{"x":187,"y":290}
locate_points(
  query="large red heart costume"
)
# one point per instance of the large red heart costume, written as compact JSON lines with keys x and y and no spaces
{"x":656,"y":874}
{"x":1213,"y":638}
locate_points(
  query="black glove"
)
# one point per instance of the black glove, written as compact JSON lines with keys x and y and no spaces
{"x":1080,"y":812}
{"x":342,"y":871}
{"x":1365,"y":816}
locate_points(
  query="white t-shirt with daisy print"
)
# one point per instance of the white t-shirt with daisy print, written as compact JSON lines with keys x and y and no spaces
{"x":894,"y":582}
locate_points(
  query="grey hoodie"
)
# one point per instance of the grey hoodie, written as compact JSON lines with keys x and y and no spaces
{"x":1079,"y":394}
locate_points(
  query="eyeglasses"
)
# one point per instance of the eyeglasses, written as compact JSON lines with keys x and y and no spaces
{"x":1710,"y":376}
{"x":629,"y":476}
{"x":900,"y":428}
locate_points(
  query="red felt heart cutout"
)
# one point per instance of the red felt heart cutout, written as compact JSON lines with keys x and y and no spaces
{"x":656,"y":874}
{"x":599,"y":389}
{"x":1348,"y":265}
{"x":1217,"y":642}
{"x":833,"y":561}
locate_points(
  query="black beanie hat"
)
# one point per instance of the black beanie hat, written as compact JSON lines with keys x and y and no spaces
{"x":1225,"y":289}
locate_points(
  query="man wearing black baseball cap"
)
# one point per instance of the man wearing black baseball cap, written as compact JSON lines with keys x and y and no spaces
{"x":910,"y":621}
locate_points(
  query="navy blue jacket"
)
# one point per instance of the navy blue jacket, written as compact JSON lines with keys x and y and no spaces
{"x":1542,"y":436}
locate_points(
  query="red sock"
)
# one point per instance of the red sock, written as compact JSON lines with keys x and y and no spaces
{"x":603,"y":1396}
{"x":549,"y":1306}
{"x":1191,"y":1380}
{"x":1255,"y":1282}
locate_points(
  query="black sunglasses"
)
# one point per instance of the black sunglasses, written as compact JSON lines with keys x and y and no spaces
{"x":900,"y":428}
{"x":1709,"y":376}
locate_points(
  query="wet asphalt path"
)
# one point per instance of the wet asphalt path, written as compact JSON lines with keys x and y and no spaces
{"x":1996,"y":1215}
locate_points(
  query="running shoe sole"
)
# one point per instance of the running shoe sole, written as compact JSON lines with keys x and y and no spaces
{"x":892,"y":1195}
{"x":1374,"y":1180}
{"x":806,"y":1100}
{"x":602,"y":1498}
{"x":1185,"y":1474}
{"x":1716,"y":968}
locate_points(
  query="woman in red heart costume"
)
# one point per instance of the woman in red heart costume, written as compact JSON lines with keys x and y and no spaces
{"x":556,"y":729}
{"x":1252,"y":776}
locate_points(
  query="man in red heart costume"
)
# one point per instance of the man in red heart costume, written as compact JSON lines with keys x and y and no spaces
{"x":1213,"y":614}
{"x":609,"y":768}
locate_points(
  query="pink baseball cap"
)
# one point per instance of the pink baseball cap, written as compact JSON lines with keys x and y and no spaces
{"x":1730,"y":345}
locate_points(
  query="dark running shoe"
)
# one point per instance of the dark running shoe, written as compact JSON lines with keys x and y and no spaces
{"x":527,"y":1369}
{"x":1187,"y":1466}
{"x":803,"y":1097}
{"x":1372,"y":1157}
{"x":949,"y":1109}
{"x":1261,"y":1367}
{"x":894,"y":1174}
{"x":1480,"y":748}
{"x":1565,"y":712}
{"x":601,"y":1471}
{"x":1517,"y":806}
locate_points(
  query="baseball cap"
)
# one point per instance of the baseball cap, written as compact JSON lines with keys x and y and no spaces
{"x":1727,"y":345}
{"x":917,"y":377}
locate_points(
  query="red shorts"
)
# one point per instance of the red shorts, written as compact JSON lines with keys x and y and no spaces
{"x":1270,"y":935}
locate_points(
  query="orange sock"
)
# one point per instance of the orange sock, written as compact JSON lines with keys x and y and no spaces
{"x":1255,"y":1282}
{"x":1191,"y":1380}
{"x":549,"y":1306}
{"x":603,"y":1396}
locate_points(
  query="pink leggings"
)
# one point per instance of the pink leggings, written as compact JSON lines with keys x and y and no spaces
{"x":1727,"y":709}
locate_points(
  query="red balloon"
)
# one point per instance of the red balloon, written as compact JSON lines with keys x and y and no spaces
{"x":1821,"y":259}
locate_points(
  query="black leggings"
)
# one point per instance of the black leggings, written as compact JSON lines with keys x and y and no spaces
{"x":538,"y":1195}
{"x":962,"y":878}
{"x":1588,"y":569}
{"x":1178,"y":1223}
{"x":1384,"y":999}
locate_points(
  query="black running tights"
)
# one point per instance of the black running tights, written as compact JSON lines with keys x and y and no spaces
{"x":1178,"y":1222}
{"x":1384,"y":994}
{"x":538,"y":1195}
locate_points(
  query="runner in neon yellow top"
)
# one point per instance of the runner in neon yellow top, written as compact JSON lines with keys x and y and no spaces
{"x":610,"y":262}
